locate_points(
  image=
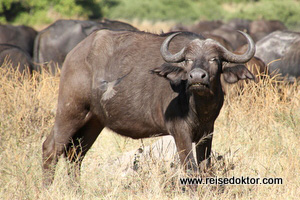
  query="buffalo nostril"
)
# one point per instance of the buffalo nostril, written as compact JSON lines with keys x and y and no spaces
{"x":198,"y":75}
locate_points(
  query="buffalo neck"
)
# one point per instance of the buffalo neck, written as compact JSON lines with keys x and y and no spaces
{"x":207,"y":107}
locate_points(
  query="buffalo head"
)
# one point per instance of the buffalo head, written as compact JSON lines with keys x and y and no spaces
{"x":200,"y":64}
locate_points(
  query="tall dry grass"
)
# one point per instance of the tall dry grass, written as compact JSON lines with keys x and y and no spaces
{"x":257,"y":134}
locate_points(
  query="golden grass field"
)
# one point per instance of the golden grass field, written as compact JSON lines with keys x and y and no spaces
{"x":257,"y":134}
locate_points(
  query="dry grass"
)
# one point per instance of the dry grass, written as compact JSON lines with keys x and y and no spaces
{"x":153,"y":27}
{"x":257,"y":133}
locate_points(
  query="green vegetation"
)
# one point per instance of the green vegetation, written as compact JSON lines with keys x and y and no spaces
{"x":32,"y":12}
{"x":286,"y":11}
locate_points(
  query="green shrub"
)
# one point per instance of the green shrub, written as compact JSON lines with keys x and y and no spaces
{"x":286,"y":11}
{"x":33,"y":12}
{"x":177,"y":10}
{"x":193,"y":10}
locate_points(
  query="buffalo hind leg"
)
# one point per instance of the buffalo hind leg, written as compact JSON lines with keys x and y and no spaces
{"x":80,"y":144}
{"x":49,"y":159}
{"x":68,"y":123}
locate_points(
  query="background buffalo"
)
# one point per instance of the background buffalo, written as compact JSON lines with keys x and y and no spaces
{"x":16,"y":57}
{"x":53,"y":43}
{"x":279,"y":50}
{"x":21,"y":36}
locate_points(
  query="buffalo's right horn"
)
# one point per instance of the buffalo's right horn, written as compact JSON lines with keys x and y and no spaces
{"x":167,"y":56}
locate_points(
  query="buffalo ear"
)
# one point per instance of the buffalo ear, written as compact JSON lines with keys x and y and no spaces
{"x":172,"y":73}
{"x":237,"y":72}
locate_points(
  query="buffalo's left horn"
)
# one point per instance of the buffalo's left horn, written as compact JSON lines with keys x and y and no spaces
{"x":234,"y":58}
{"x":167,"y":56}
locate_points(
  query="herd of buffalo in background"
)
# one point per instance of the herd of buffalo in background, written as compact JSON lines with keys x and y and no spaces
{"x":277,"y":48}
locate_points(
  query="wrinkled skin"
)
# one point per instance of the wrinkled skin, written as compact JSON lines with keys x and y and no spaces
{"x":141,"y":85}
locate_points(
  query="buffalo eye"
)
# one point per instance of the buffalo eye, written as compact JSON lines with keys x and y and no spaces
{"x":189,"y":61}
{"x":213,"y":60}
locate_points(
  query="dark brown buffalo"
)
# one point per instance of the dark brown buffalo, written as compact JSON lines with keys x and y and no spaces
{"x":260,"y":28}
{"x":226,"y":34}
{"x":141,"y":85}
{"x":240,"y":24}
{"x":16,"y":57}
{"x":21,"y":36}
{"x":54,"y":42}
{"x":206,"y":28}
{"x":231,"y":35}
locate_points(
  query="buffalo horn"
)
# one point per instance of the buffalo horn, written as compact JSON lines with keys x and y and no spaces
{"x":167,"y":56}
{"x":234,"y":58}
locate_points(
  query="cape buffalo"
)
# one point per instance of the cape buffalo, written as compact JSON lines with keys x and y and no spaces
{"x":54,"y":42}
{"x":279,"y":50}
{"x":17,"y":57}
{"x":21,"y":36}
{"x":230,"y":34}
{"x":239,"y":24}
{"x":260,"y":28}
{"x":141,"y":85}
{"x":288,"y":65}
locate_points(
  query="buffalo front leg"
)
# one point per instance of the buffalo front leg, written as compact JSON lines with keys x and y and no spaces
{"x":184,"y":148}
{"x":203,"y":150}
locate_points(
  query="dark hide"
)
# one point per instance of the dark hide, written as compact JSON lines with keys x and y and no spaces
{"x":231,"y":35}
{"x":279,"y":51}
{"x":54,"y":42}
{"x":289,"y":64}
{"x":260,"y":28}
{"x":18,"y":58}
{"x":21,"y":36}
{"x":150,"y":98}
{"x":240,"y":24}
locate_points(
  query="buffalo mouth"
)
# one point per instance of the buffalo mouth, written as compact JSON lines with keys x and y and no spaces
{"x":198,"y":86}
